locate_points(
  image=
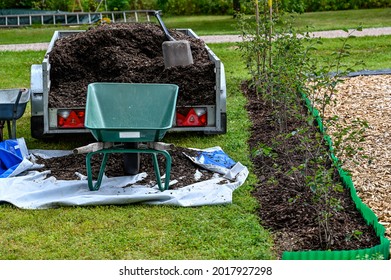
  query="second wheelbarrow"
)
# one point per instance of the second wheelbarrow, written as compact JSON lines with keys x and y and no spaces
{"x":12,"y":106}
{"x":121,"y":113}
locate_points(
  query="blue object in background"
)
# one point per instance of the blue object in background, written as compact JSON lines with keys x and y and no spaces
{"x":10,"y":157}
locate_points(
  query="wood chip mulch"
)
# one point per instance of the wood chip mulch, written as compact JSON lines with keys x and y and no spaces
{"x":369,"y":98}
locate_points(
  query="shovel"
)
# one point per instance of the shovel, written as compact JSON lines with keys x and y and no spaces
{"x":175,"y":53}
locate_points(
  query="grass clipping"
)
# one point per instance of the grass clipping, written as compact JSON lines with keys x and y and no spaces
{"x":369,"y":98}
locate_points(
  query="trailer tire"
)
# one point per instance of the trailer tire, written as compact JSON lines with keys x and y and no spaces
{"x":223,"y":128}
{"x":36,"y":127}
{"x":223,"y":123}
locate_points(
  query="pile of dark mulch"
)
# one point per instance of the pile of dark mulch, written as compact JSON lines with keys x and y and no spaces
{"x":126,"y":53}
{"x":182,"y":169}
{"x":287,"y":205}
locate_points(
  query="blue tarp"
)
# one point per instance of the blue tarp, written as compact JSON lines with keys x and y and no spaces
{"x":12,"y":153}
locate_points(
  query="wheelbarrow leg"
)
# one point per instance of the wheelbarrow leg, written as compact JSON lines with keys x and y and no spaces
{"x":91,"y":185}
{"x":168,"y":169}
{"x":157,"y":170}
{"x":11,"y":129}
{"x":106,"y":152}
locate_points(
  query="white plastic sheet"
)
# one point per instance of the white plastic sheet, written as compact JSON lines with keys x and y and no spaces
{"x":39,"y":190}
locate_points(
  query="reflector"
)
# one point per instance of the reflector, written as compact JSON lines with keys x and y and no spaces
{"x":70,"y":118}
{"x":193,"y":117}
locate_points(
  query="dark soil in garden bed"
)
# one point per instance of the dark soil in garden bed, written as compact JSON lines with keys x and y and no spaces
{"x":126,"y":53}
{"x":287,"y":205}
{"x":182,"y":169}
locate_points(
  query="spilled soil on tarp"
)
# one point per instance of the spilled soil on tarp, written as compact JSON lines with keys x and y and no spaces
{"x":287,"y":204}
{"x":183,"y":170}
{"x":126,"y":53}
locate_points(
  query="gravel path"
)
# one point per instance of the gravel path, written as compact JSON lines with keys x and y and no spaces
{"x":222,"y":38}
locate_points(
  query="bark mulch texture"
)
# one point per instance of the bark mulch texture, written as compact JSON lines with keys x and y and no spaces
{"x":369,"y":98}
{"x":287,"y":205}
{"x":126,"y":53}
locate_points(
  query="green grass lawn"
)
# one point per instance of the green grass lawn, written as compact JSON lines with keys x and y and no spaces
{"x":333,"y":20}
{"x":374,"y":52}
{"x":319,"y":21}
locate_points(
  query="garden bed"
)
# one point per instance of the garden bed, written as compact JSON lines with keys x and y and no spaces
{"x":287,"y":205}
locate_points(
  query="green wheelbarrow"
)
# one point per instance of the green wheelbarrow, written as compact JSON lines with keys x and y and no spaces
{"x":119,"y":114}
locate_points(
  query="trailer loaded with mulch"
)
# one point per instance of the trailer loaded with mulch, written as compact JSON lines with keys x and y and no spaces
{"x":124,"y":53}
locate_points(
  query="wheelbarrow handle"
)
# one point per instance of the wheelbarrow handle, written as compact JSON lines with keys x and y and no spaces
{"x":15,"y":108}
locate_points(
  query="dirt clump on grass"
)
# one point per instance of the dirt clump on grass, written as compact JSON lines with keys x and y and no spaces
{"x":126,"y":53}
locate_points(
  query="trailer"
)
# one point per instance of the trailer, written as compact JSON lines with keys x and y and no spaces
{"x":47,"y":121}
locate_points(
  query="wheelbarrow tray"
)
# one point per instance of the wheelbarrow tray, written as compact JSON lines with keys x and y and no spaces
{"x":8,"y":99}
{"x":130,"y":112}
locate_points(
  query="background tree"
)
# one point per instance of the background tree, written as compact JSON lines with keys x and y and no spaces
{"x":117,"y":5}
{"x":236,"y":5}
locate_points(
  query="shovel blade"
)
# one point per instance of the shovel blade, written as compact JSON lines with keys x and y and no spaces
{"x":177,"y":53}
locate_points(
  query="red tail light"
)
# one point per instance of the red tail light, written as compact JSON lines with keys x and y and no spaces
{"x":191,"y":117}
{"x":70,"y":118}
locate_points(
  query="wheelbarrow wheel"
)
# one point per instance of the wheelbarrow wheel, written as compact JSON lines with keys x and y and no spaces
{"x":131,"y":160}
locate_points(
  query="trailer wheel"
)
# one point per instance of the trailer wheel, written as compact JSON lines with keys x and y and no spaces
{"x":36,"y":127}
{"x":223,"y":123}
{"x":223,"y":128}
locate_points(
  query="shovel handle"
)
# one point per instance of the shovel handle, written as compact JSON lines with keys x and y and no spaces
{"x":165,"y":30}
